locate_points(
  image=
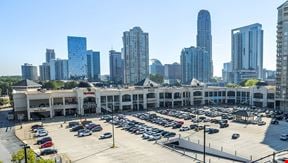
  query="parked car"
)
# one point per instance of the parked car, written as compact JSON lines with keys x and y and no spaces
{"x":184,"y":128}
{"x":261,"y":123}
{"x":235,"y":136}
{"x":38,"y":129}
{"x":284,"y":137}
{"x":274,"y":122}
{"x":224,"y":125}
{"x":213,"y":130}
{"x":43,"y":140}
{"x":85,"y":132}
{"x":96,"y":129}
{"x":41,"y":133}
{"x":46,"y":144}
{"x":48,"y":151}
{"x":106,"y":135}
{"x":76,"y":128}
{"x":72,"y":124}
{"x":35,"y":126}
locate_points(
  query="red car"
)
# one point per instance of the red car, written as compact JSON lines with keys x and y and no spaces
{"x":47,"y":144}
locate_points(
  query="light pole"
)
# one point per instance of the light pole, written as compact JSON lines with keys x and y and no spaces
{"x":25,"y":147}
{"x":204,"y":144}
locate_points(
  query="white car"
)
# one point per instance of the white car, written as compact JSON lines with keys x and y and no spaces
{"x":106,"y":135}
{"x":184,"y":128}
{"x":284,"y":137}
{"x":84,"y":133}
{"x":38,"y":129}
{"x":41,"y":133}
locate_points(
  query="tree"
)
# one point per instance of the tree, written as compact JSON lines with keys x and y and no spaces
{"x":19,"y":156}
{"x":53,"y":85}
{"x":70,"y":85}
{"x":249,"y":82}
{"x":232,"y":85}
{"x":157,"y":78}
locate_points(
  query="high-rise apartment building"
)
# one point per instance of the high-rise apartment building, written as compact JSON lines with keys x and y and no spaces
{"x":44,"y":71}
{"x":282,"y":57}
{"x":227,"y":74}
{"x":116,"y":67}
{"x":59,"y":69}
{"x":136,"y":55}
{"x":204,"y":37}
{"x":247,"y":52}
{"x":93,"y":65}
{"x":195,"y":64}
{"x":156,"y":67}
{"x":172,"y":73}
{"x":50,"y":54}
{"x":29,"y":72}
{"x":77,"y":58}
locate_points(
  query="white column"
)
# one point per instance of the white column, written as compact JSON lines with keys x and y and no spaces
{"x":64,"y":106}
{"x":28,"y":109}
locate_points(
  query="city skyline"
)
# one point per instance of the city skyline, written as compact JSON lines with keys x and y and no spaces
{"x":171,"y":24}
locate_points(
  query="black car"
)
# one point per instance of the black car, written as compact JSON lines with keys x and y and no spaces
{"x":169,"y":135}
{"x":96,"y":129}
{"x":43,"y":140}
{"x":48,"y":151}
{"x":72,"y":124}
{"x":76,"y":128}
{"x":235,"y":136}
{"x":274,"y":122}
{"x":178,"y":125}
{"x":213,"y":131}
{"x":224,"y":125}
{"x":35,"y":126}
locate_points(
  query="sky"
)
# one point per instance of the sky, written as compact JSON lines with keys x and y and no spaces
{"x":28,"y":27}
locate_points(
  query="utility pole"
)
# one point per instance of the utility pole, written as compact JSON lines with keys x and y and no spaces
{"x":204,"y":145}
{"x":25,"y":147}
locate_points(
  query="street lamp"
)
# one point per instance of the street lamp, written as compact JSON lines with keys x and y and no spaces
{"x":204,"y":144}
{"x":25,"y":147}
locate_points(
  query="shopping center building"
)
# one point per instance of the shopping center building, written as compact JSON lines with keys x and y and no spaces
{"x":30,"y":101}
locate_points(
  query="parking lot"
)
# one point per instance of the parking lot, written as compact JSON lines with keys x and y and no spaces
{"x":255,"y":140}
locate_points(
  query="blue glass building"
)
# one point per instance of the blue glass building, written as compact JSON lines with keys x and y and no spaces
{"x":116,"y":67}
{"x":156,"y":67}
{"x":93,"y":65}
{"x":247,"y":52}
{"x":194,"y":65}
{"x":77,"y":59}
{"x":204,"y":37}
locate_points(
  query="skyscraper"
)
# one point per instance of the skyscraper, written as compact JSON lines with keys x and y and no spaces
{"x":227,"y":75}
{"x":58,"y":69}
{"x":247,"y":52}
{"x":172,"y":72}
{"x":93,"y":65}
{"x":194,"y":64}
{"x":204,"y":37}
{"x":50,"y":54}
{"x":136,"y":55}
{"x":116,"y":67}
{"x":156,"y":67}
{"x":77,"y":58}
{"x":29,"y":72}
{"x":44,"y":71}
{"x":282,"y":54}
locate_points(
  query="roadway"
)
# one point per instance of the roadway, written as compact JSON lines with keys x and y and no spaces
{"x":9,"y":143}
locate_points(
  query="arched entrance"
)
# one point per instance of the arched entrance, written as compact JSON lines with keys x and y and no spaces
{"x":89,"y":105}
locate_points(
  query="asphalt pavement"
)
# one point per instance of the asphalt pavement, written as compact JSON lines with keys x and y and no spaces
{"x":9,"y":143}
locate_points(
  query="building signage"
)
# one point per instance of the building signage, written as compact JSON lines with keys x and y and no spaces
{"x":89,"y":93}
